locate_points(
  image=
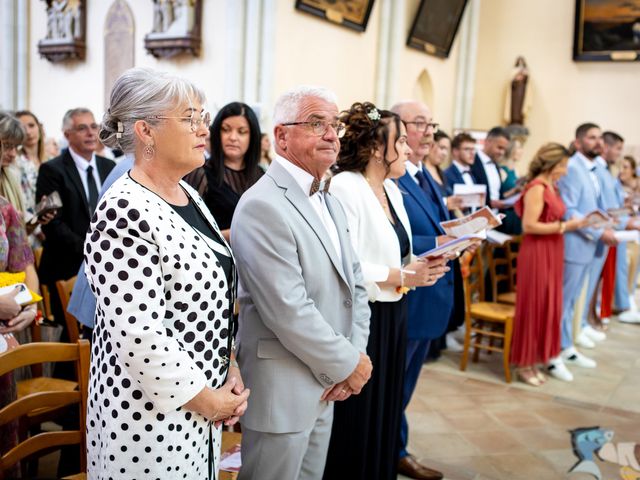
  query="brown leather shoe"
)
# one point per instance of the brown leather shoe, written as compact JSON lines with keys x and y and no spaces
{"x":410,"y":467}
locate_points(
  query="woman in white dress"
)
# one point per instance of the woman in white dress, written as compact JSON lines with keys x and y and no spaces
{"x":163,"y":372}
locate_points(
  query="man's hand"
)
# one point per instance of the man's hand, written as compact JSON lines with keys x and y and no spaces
{"x":454,"y":202}
{"x":499,"y":204}
{"x":338,"y":393}
{"x":360,"y":375}
{"x":608,"y":237}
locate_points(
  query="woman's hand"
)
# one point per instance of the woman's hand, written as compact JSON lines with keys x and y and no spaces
{"x":427,"y":272}
{"x":575,"y":224}
{"x":220,"y":404}
{"x":20,"y":321}
{"x":234,"y":372}
{"x":9,"y":308}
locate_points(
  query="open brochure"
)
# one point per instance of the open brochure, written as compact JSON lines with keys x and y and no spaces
{"x":472,"y":195}
{"x":457,"y":245}
{"x":619,"y":212}
{"x":627,"y":236}
{"x":48,"y":203}
{"x":599,"y":219}
{"x":512,"y":200}
{"x":483,"y":219}
{"x":497,"y":237}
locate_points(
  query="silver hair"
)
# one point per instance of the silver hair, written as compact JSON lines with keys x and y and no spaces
{"x":399,"y":107}
{"x":67,"y":120}
{"x":141,"y":94}
{"x":11,"y":129}
{"x":287,"y":106}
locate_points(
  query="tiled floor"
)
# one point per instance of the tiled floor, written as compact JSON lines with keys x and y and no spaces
{"x":473,"y":425}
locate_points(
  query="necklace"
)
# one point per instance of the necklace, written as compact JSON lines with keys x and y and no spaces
{"x":381,"y":196}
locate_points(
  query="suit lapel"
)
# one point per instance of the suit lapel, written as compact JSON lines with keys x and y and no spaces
{"x":420,"y":196}
{"x":103,"y":168}
{"x":300,"y":202}
{"x":72,"y":171}
{"x":345,"y":241}
{"x":435,"y":192}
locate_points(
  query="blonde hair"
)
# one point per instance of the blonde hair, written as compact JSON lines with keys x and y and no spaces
{"x":546,"y":159}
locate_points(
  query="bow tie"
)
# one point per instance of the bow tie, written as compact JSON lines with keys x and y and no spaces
{"x":319,"y":186}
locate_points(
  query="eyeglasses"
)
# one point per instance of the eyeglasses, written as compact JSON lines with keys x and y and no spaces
{"x":422,"y":126}
{"x":83,"y":128}
{"x":194,"y":122}
{"x":320,"y":127}
{"x":6,"y":146}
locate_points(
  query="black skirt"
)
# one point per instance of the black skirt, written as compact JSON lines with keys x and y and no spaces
{"x":366,"y":427}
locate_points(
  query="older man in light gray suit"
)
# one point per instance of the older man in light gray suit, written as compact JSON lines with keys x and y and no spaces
{"x":304,"y":317}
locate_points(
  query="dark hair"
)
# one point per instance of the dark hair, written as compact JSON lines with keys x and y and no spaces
{"x":546,"y":158}
{"x":496,"y":132}
{"x":439,"y":135}
{"x":364,"y":134}
{"x":611,"y":138}
{"x":461,"y":138}
{"x":632,"y":162}
{"x":582,"y":130}
{"x":251,"y":158}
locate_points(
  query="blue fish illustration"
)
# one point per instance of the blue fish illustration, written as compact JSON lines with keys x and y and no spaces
{"x":586,"y":442}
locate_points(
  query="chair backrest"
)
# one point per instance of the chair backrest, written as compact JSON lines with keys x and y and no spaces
{"x":65,"y":287}
{"x":473,"y":280}
{"x":29,"y":354}
{"x":512,"y":256}
{"x":498,"y":260}
{"x":44,"y":290}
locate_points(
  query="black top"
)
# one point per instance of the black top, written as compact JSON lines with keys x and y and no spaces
{"x":191,"y":214}
{"x":403,"y":238}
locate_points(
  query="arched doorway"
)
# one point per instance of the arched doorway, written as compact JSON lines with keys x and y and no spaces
{"x":423,"y":88}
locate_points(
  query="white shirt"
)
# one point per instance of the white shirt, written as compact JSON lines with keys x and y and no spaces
{"x":590,"y":165}
{"x":82,"y":165}
{"x":493,"y":175}
{"x":305,"y":179}
{"x":465,"y":171}
{"x":412,"y":169}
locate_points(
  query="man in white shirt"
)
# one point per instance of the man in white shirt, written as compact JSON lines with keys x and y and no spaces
{"x":486,"y":167}
{"x":77,"y":175}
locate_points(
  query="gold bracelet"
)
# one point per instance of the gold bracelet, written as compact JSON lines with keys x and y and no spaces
{"x":563,"y":226}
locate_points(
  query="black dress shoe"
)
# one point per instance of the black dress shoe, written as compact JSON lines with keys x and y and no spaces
{"x":410,"y":467}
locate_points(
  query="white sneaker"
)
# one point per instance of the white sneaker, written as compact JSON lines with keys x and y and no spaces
{"x":574,"y":357}
{"x":594,"y":334}
{"x":559,"y":370}
{"x":452,"y":344}
{"x":632,"y":304}
{"x":584,"y":341}
{"x":629,"y":317}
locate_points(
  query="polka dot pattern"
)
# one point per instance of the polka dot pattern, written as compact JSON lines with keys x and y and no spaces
{"x":159,"y":338}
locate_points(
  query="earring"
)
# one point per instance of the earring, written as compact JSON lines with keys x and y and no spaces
{"x":148,"y":152}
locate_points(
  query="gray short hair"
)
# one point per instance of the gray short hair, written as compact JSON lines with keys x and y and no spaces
{"x":11,"y":129}
{"x":288,"y":104}
{"x":67,"y":120}
{"x":138,"y":94}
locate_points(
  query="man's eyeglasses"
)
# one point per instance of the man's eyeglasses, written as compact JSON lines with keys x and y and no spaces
{"x":422,"y":126}
{"x":83,"y":128}
{"x":320,"y":127}
{"x":194,"y":122}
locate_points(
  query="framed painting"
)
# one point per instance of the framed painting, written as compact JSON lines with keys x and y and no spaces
{"x":435,"y":25}
{"x":349,"y":13}
{"x":607,"y":30}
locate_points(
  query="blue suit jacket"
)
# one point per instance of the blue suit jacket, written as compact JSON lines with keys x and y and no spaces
{"x":612,"y":193}
{"x":82,"y":304}
{"x":452,"y":175}
{"x":429,"y":307}
{"x":580,"y":197}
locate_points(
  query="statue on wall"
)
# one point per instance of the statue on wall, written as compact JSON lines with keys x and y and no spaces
{"x":65,"y":30}
{"x":518,"y":97}
{"x":176,"y":28}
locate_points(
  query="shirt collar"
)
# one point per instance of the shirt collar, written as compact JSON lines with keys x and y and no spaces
{"x":461,"y":168}
{"x":81,"y":162}
{"x":484,"y":157}
{"x":588,"y":164}
{"x":303,"y":178}
{"x":601,"y":161}
{"x":412,"y":168}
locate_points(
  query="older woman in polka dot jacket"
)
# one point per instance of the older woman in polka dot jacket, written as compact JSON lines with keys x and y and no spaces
{"x":163,"y":372}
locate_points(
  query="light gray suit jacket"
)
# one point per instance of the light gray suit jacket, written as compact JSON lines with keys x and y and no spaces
{"x":304,"y":315}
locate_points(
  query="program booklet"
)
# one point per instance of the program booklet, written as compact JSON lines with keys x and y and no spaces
{"x":599,"y":219}
{"x":473,"y":196}
{"x":457,"y":245}
{"x":482,"y":220}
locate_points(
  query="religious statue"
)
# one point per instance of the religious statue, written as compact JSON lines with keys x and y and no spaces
{"x":65,"y":38}
{"x":518,"y":96}
{"x":176,"y":28}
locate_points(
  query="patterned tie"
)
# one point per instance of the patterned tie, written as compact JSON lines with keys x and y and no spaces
{"x":319,"y":186}
{"x":93,"y":189}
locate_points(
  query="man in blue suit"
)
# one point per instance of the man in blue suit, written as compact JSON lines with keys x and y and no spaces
{"x":429,"y":307}
{"x":581,"y":191}
{"x":462,"y":159}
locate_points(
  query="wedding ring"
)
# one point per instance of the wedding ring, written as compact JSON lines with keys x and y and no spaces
{"x":344,"y":390}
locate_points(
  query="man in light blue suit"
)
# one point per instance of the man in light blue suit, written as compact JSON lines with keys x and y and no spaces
{"x":581,"y":192}
{"x":429,"y":307}
{"x":82,"y":304}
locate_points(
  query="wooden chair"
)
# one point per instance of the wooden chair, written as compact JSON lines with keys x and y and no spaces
{"x":44,"y":290}
{"x":492,"y":320}
{"x":65,"y":287}
{"x":53,"y":398}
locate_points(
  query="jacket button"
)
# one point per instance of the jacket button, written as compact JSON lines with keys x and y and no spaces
{"x":347,"y":303}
